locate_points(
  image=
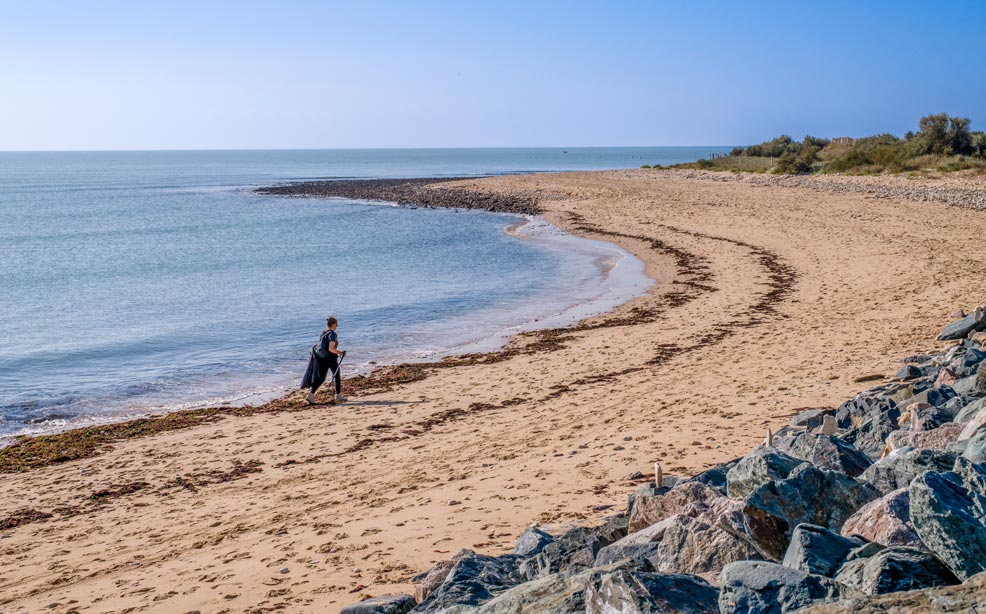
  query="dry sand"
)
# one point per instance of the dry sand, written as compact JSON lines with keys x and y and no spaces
{"x":770,"y":299}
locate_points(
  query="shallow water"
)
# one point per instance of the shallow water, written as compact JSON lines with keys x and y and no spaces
{"x":146,"y":281}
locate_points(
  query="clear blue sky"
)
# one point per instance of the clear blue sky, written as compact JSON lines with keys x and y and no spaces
{"x":213,"y":74}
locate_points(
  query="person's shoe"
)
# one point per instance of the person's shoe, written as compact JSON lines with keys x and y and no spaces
{"x":310,"y":398}
{"x":341,"y":399}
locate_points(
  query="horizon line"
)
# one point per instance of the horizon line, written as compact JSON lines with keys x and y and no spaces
{"x":217,"y":149}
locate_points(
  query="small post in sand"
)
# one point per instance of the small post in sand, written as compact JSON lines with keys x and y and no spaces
{"x":770,"y":438}
{"x":658,"y":475}
{"x":829,"y":425}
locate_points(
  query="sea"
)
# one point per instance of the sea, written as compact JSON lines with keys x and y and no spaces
{"x":142,"y":282}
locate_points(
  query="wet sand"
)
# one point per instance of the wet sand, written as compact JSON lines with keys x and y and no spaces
{"x":771,"y":298}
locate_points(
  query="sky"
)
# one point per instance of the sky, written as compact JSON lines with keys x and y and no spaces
{"x":103,"y":75}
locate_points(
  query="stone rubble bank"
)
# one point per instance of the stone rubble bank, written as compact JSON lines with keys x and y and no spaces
{"x":877,"y":506}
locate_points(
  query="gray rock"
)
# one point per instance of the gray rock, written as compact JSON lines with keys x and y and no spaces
{"x":387,"y":604}
{"x":630,"y":592}
{"x":885,"y":521}
{"x":897,"y":469}
{"x":964,"y":598}
{"x":817,"y":550}
{"x":967,"y":386}
{"x":808,"y":496}
{"x":948,"y":511}
{"x":757,"y":468}
{"x":980,"y":389}
{"x":830,"y":452}
{"x":683,"y":544}
{"x":870,"y":436}
{"x":648,"y":552}
{"x":644,"y":490}
{"x":693,"y":546}
{"x":472,"y":580}
{"x":648,"y":510}
{"x":532,"y":541}
{"x":715,"y":476}
{"x":926,"y":417}
{"x":908,"y":372}
{"x":752,"y":587}
{"x":560,"y":593}
{"x":631,"y":545}
{"x":970,"y":411}
{"x":895,"y":569}
{"x":865,"y":551}
{"x":575,"y":550}
{"x":969,"y":362}
{"x":936,"y":396}
{"x":938,"y":439}
{"x":862,"y":407}
{"x":975,"y":447}
{"x":958,"y":329}
{"x":427,"y":582}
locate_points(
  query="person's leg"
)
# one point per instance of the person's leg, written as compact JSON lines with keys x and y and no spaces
{"x":321,"y":371}
{"x":337,"y":379}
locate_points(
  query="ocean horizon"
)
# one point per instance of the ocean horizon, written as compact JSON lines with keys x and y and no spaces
{"x":142,"y":282}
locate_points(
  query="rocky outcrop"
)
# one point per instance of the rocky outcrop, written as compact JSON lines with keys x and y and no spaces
{"x":650,"y":509}
{"x":960,"y":328}
{"x":965,"y":598}
{"x":886,"y":521}
{"x":560,"y":593}
{"x":757,"y":468}
{"x":387,"y":604}
{"x":898,"y":468}
{"x":895,"y":569}
{"x":886,"y":494}
{"x":949,"y":514}
{"x":817,"y":550}
{"x":751,"y":587}
{"x":630,"y":592}
{"x":472,"y":580}
{"x":532,"y":542}
{"x":828,"y":452}
{"x":425,"y":192}
{"x":574,"y":550}
{"x":808,"y":496}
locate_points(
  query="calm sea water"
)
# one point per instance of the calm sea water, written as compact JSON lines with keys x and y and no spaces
{"x":133,"y":282}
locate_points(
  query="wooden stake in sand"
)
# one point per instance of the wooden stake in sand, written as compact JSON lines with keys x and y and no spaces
{"x":658,"y":475}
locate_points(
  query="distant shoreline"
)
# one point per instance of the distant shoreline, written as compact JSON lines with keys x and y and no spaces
{"x":420,"y":191}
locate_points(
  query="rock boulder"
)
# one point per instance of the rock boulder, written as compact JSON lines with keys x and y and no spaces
{"x":895,"y":569}
{"x":817,"y":550}
{"x":885,"y":521}
{"x":948,"y":511}
{"x":751,"y":587}
{"x":629,"y":592}
{"x":808,"y":496}
{"x":757,"y":468}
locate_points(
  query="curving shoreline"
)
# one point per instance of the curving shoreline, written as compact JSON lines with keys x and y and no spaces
{"x":436,"y":459}
{"x":73,"y":443}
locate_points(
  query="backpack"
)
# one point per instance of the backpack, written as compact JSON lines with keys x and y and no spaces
{"x":321,"y":348}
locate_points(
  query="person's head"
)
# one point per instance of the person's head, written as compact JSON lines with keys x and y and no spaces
{"x":332,"y":323}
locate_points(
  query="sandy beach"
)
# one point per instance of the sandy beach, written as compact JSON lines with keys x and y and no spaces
{"x":770,"y":297}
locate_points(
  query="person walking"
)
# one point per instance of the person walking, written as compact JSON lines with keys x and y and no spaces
{"x":324,"y":360}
